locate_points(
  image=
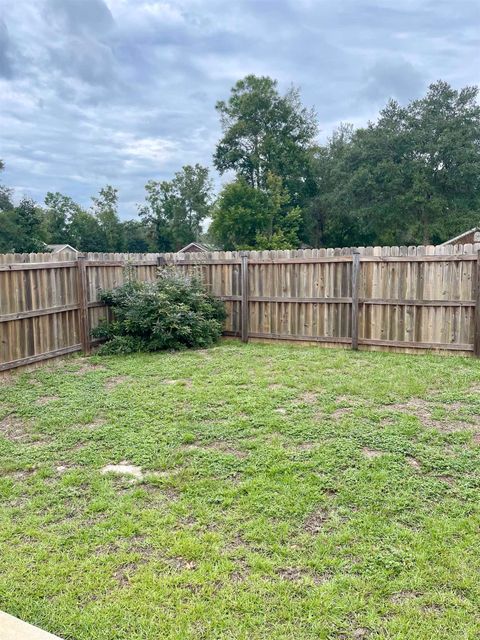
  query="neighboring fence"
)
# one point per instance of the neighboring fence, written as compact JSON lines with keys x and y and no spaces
{"x":402,"y":298}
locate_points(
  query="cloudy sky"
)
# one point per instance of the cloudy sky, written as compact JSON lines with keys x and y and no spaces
{"x":121,"y":91}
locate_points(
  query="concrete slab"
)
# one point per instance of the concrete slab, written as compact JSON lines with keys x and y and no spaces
{"x":14,"y":629}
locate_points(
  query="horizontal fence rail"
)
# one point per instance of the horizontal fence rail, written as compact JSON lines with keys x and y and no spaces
{"x":400,"y":298}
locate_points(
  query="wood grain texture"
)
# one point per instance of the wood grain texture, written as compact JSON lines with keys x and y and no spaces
{"x":413,"y":299}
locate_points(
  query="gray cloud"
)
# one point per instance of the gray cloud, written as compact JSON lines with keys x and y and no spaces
{"x":6,"y":70}
{"x":121,"y":91}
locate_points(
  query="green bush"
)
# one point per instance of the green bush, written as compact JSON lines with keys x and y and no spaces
{"x":174,"y":312}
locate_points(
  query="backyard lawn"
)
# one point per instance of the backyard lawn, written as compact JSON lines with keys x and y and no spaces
{"x":268,"y":491}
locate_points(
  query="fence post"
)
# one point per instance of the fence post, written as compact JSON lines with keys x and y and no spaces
{"x":82,"y":289}
{"x":355,"y":287}
{"x":244,"y":303}
{"x":476,"y":322}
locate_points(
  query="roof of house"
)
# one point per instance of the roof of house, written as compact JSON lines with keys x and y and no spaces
{"x":56,"y":248}
{"x":456,"y":239}
{"x":194,"y":245}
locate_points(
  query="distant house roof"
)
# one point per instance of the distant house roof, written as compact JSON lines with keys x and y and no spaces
{"x":57,"y":248}
{"x":467,"y":237}
{"x":195,"y":247}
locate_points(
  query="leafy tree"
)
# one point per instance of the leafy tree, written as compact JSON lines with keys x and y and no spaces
{"x":264,"y":131}
{"x":86,"y":232}
{"x":411,"y":177}
{"x":237,"y":215}
{"x":60,"y":210}
{"x":174,"y":210}
{"x":245,"y":217}
{"x":105,"y":210}
{"x":135,"y":236}
{"x":28,"y":219}
{"x":157,"y":214}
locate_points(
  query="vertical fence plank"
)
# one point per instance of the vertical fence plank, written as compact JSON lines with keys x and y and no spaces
{"x":82,"y":288}
{"x":355,"y":287}
{"x":476,"y":330}
{"x":245,"y":310}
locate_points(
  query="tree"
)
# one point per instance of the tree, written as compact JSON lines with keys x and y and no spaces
{"x":246,"y":218}
{"x":174,"y":210}
{"x":411,"y":177}
{"x":86,"y":234}
{"x":264,"y":132}
{"x":237,"y":215}
{"x":105,"y":210}
{"x":135,"y":236}
{"x":28,"y":218}
{"x":60,"y":210}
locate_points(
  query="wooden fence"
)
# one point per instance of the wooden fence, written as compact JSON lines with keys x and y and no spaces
{"x":401,"y":298}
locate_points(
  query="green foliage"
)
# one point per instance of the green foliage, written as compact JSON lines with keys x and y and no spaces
{"x":85,"y":232}
{"x":412,"y":177}
{"x":265,"y":132}
{"x":58,"y":214}
{"x":105,"y":210}
{"x":136,"y":237}
{"x":175,"y":312}
{"x":174,"y":210}
{"x":246,"y":217}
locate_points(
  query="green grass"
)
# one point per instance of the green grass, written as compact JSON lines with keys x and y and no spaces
{"x":288,"y":493}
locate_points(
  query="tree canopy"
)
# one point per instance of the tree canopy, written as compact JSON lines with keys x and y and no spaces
{"x":411,"y":176}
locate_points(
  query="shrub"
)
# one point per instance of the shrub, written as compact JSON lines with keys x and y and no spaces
{"x":174,"y":312}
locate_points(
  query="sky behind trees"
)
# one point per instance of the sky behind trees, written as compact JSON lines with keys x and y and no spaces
{"x":123,"y":91}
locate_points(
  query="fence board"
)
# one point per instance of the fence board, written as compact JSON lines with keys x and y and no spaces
{"x":409,"y":298}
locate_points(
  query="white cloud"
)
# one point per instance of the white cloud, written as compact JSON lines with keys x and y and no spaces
{"x":122,"y":91}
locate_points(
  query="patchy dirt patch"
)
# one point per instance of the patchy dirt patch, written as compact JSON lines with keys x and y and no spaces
{"x":177,"y":563}
{"x":307,"y":398}
{"x":445,"y":478}
{"x":45,"y":400}
{"x":124,"y":573}
{"x":371,"y":453}
{"x":360,"y":633}
{"x":111,"y":383}
{"x":182,"y":382}
{"x":86,"y":367}
{"x":413,"y":462}
{"x":296,"y":574}
{"x":91,"y":426}
{"x":217,"y":445}
{"x":340,"y":412}
{"x":281,"y":410}
{"x":315,"y":521}
{"x":123,"y":468}
{"x":14,"y":428}
{"x":404,"y":596}
{"x":423,"y":410}
{"x":306,"y":446}
{"x":274,"y":386}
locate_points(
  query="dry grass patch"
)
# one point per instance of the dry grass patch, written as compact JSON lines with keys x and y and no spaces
{"x":413,"y":462}
{"x":404,"y":596}
{"x":217,"y":445}
{"x":423,"y":409}
{"x":86,"y":367}
{"x":123,"y":468}
{"x":14,"y":429}
{"x":308,"y":398}
{"x":45,"y":400}
{"x":315,"y":521}
{"x":371,"y":453}
{"x":111,"y":383}
{"x":298,"y":574}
